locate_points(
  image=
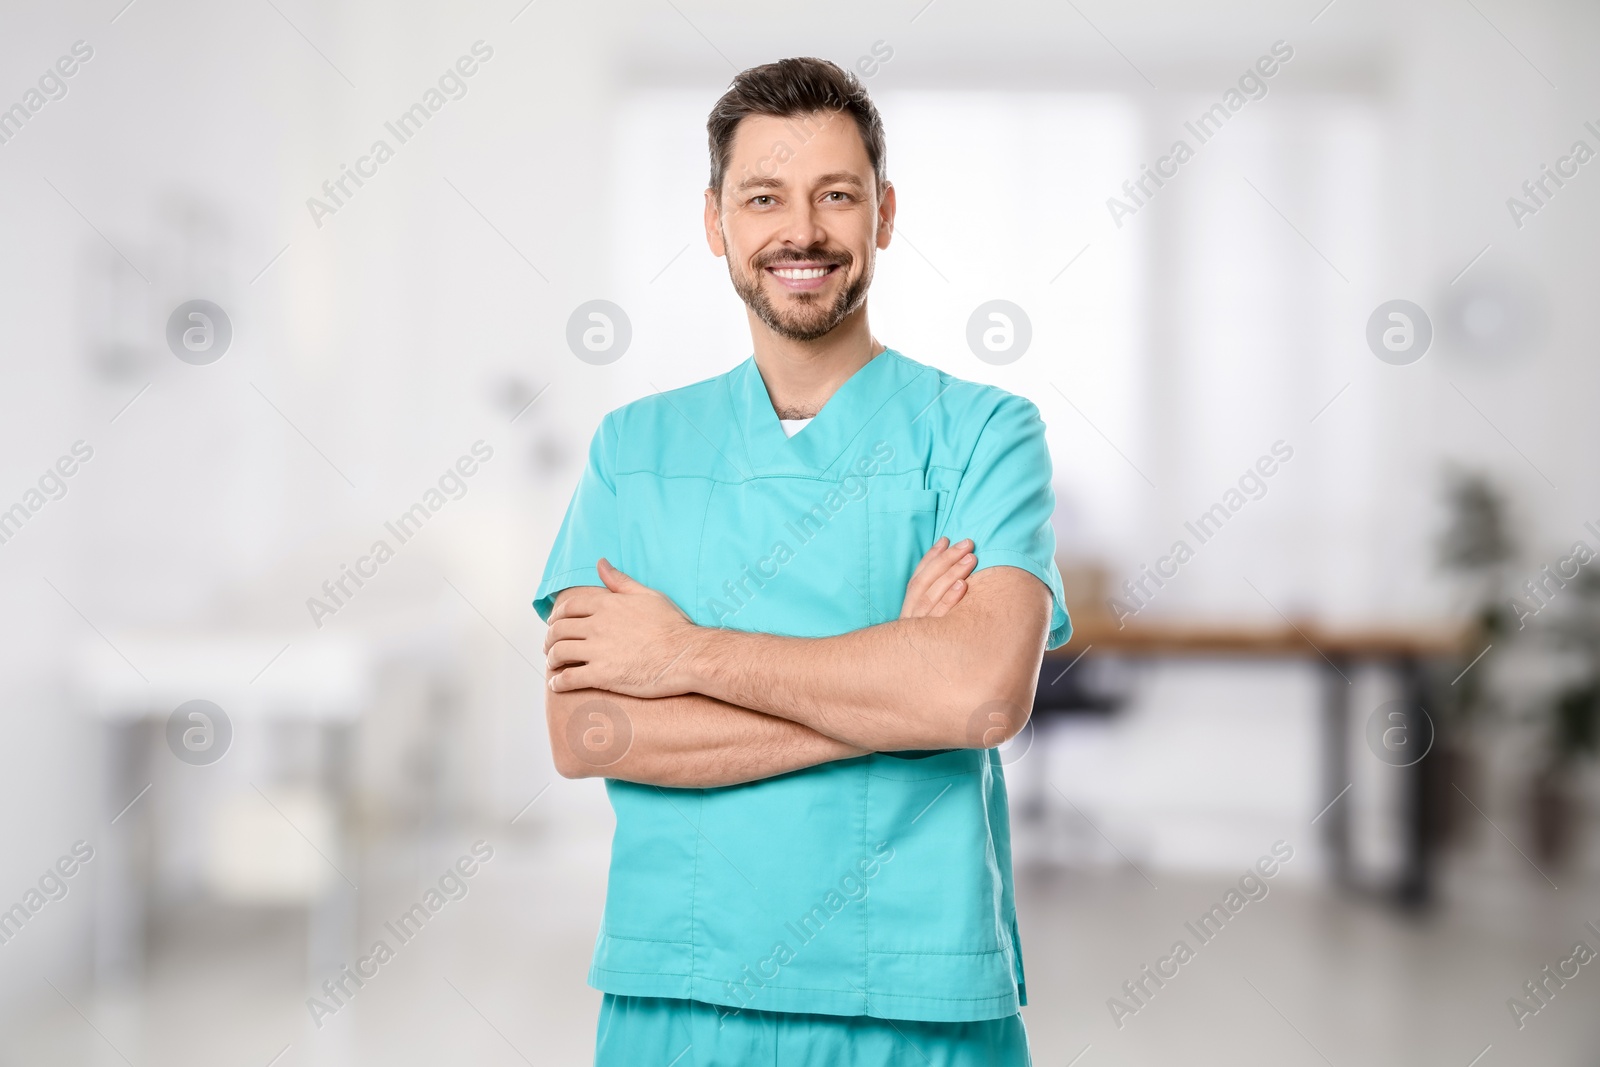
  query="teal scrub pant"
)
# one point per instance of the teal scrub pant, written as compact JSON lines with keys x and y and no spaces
{"x":666,"y":1032}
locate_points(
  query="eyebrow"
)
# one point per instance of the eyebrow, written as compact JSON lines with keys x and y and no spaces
{"x":838,"y":177}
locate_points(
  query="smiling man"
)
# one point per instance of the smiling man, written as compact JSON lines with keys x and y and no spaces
{"x":793,"y":609}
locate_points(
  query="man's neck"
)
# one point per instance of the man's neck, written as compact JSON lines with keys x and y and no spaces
{"x":801,"y":375}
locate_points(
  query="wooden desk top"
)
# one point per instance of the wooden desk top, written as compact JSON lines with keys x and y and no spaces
{"x":1302,"y":638}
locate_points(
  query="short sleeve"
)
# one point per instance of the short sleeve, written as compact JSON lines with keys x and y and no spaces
{"x":589,"y":530}
{"x":1004,"y":501}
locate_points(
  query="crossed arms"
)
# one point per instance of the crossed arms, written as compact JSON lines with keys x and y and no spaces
{"x":707,"y":707}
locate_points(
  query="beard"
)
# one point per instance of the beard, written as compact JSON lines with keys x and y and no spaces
{"x":805,"y":316}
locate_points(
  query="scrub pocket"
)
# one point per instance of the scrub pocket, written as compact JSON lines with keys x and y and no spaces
{"x":900,"y":528}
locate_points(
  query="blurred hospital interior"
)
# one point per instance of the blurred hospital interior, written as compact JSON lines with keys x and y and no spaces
{"x":1320,"y":392}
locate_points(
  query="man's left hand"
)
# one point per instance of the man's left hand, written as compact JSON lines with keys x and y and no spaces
{"x":626,"y":638}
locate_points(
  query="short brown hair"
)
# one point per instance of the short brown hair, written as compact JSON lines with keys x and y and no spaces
{"x":793,"y":87}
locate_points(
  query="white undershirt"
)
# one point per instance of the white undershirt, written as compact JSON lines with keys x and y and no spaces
{"x":792,"y":426}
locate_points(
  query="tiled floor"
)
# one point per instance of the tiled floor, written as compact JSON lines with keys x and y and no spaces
{"x":496,"y":978}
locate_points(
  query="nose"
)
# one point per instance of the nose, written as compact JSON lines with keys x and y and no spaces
{"x":801,"y":226}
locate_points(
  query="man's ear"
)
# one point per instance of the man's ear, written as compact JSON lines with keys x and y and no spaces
{"x":714,"y":224}
{"x":886,"y":209}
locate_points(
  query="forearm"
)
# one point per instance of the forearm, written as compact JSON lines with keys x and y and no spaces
{"x":875,"y":687}
{"x":689,"y":741}
{"x":965,"y":680}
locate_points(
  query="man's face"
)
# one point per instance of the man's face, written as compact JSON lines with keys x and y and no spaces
{"x":799,"y":219}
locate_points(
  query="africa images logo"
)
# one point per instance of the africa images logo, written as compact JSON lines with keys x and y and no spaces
{"x":451,"y":86}
{"x":1251,"y":887}
{"x":452,"y":485}
{"x":810,"y":523}
{"x":348,"y":980}
{"x":852,"y":887}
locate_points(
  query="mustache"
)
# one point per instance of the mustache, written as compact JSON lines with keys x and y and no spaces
{"x":836,"y":259}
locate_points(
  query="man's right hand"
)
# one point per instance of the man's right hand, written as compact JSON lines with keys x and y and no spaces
{"x":939,"y":582}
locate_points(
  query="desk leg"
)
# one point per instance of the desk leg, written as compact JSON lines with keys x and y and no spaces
{"x":1335,"y":818}
{"x":331,"y":929}
{"x":1415,"y":888}
{"x":122,"y":855}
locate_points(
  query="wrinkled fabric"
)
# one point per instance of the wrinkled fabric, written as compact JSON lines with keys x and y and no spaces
{"x":687,"y":1033}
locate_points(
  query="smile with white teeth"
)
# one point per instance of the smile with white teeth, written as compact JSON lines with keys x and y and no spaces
{"x":800,"y":273}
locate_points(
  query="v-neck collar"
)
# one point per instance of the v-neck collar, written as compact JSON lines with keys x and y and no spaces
{"x":830,"y":431}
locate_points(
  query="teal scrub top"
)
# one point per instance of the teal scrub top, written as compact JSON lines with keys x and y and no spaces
{"x":879,"y":885}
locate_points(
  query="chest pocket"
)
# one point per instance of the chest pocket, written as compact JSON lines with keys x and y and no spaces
{"x":900,"y":528}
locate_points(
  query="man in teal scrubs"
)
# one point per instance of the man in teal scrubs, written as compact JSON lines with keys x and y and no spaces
{"x":771,"y":648}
